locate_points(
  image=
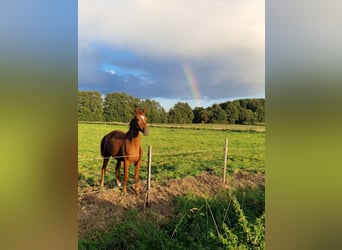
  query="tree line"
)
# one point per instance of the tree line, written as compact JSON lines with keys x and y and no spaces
{"x":120,"y":107}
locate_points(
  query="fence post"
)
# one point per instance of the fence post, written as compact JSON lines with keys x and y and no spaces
{"x":225,"y":161}
{"x":149,"y":162}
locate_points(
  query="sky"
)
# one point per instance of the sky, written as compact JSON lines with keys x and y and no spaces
{"x":196,"y":51}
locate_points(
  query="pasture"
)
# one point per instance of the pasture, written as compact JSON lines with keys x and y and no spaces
{"x":177,"y":152}
{"x":190,"y":208}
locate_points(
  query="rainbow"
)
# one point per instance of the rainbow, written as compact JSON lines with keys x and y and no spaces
{"x":193,"y":84}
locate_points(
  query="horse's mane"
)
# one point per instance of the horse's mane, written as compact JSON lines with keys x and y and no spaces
{"x":132,"y":129}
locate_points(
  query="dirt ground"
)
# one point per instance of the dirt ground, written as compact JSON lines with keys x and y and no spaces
{"x":96,"y":208}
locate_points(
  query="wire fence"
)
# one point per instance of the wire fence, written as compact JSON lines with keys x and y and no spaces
{"x":174,"y":165}
{"x":174,"y":154}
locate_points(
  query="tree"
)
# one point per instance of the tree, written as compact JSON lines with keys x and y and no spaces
{"x":232,"y":112}
{"x":260,"y":114}
{"x":155,"y":112}
{"x":181,"y":113}
{"x":218,"y":115}
{"x":197,"y":115}
{"x":119,"y":107}
{"x":205,"y":115}
{"x":236,"y":110}
{"x":246,"y":116}
{"x":90,"y":106}
{"x":243,"y":103}
{"x":237,"y":103}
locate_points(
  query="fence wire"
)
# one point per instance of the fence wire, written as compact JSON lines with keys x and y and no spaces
{"x":167,"y":166}
{"x":171,"y":154}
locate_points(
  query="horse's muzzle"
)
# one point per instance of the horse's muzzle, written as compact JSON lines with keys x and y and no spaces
{"x":145,"y":131}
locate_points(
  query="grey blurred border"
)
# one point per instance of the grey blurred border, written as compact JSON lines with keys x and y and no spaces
{"x":303,"y":117}
{"x":38,"y":128}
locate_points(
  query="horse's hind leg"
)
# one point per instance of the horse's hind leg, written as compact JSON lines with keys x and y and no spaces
{"x":117,"y":171}
{"x":126,"y":165}
{"x":103,"y":171}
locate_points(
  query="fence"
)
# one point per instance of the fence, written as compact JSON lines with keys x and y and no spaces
{"x":149,"y":166}
{"x":224,"y":152}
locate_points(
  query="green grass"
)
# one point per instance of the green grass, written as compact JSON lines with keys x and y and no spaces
{"x":177,"y":152}
{"x":225,"y":221}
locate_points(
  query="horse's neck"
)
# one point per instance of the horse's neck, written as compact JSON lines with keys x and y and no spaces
{"x":133,"y":135}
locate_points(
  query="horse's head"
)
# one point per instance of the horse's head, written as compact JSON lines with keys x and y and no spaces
{"x":141,"y":121}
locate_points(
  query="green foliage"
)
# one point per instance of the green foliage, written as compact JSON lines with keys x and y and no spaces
{"x":218,"y":115}
{"x":245,"y":111}
{"x":246,"y":116}
{"x":205,"y":115}
{"x":260,"y":114}
{"x":135,"y":233}
{"x":119,"y":107}
{"x":213,"y":114}
{"x":181,"y":113}
{"x":90,"y":106}
{"x":244,"y":235}
{"x":155,"y":112}
{"x":232,"y":112}
{"x":197,"y":115}
{"x":219,"y":222}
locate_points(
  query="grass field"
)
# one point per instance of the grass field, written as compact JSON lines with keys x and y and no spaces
{"x":177,"y":151}
{"x":225,"y":220}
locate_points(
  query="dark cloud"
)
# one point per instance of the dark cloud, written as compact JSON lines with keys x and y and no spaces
{"x":216,"y":77}
{"x":221,"y":42}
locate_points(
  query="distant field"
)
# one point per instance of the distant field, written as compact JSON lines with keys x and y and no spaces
{"x":177,"y":150}
{"x":233,"y":127}
{"x":260,"y":127}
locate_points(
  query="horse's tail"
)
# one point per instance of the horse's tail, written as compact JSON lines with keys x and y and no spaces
{"x":106,"y":146}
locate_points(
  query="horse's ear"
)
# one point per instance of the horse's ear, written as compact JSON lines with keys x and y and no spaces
{"x":144,"y":110}
{"x":137,"y":110}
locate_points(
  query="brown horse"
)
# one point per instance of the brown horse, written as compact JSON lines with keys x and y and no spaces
{"x":125,"y":147}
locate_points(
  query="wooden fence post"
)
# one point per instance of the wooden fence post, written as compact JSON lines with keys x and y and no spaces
{"x":149,"y":162}
{"x":225,"y":161}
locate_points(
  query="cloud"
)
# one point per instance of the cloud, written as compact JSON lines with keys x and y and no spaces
{"x":191,"y":28}
{"x":146,"y":43}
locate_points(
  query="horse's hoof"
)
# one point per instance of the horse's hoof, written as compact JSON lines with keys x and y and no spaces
{"x":118,"y":183}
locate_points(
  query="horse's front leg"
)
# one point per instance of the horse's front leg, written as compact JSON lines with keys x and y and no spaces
{"x":126,"y":163}
{"x":137,"y":169}
{"x":117,"y":171}
{"x":103,"y":170}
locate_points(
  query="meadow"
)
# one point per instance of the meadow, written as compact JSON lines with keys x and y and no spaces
{"x":177,"y":151}
{"x":229,"y":219}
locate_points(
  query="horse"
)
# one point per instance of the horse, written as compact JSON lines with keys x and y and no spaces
{"x":126,"y":148}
